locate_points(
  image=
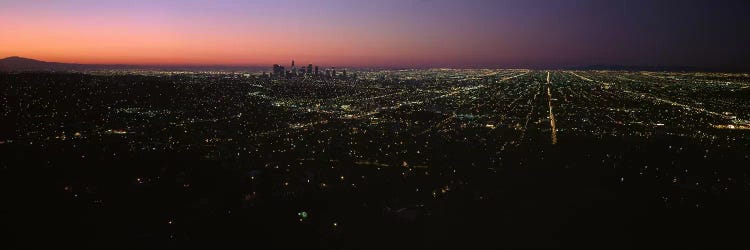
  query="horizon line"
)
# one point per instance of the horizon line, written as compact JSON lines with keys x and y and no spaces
{"x":538,"y":67}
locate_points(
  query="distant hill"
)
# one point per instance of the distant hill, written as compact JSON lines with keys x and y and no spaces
{"x":656,"y":68}
{"x":17,"y":64}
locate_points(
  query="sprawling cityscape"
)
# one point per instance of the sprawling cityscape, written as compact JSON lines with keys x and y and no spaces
{"x":388,"y":124}
{"x":426,"y":158}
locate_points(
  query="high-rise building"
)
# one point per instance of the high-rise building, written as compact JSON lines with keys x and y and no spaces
{"x":316,"y":71}
{"x":309,"y":69}
{"x":333,"y":72}
{"x":277,"y":70}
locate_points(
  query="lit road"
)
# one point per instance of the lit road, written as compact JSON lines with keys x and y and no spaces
{"x":551,"y":115}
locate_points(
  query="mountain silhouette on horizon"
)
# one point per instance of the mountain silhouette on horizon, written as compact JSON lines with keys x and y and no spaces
{"x":17,"y":63}
{"x":20,"y":64}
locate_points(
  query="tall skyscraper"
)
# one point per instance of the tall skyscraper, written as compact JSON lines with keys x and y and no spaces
{"x":316,"y":71}
{"x":309,"y":69}
{"x":277,"y":70}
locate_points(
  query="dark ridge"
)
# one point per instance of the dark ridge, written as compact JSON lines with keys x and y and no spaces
{"x":15,"y":63}
{"x":656,"y":68}
{"x":21,"y":64}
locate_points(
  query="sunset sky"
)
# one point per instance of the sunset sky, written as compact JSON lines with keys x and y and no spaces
{"x":386,"y":33}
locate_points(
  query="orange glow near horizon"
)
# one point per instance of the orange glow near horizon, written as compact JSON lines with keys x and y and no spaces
{"x":165,"y":33}
{"x":118,"y":43}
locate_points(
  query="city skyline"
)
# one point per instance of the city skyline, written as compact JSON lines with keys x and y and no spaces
{"x":418,"y":34}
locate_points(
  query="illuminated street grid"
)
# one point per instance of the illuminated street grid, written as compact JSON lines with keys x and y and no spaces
{"x":398,"y":144}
